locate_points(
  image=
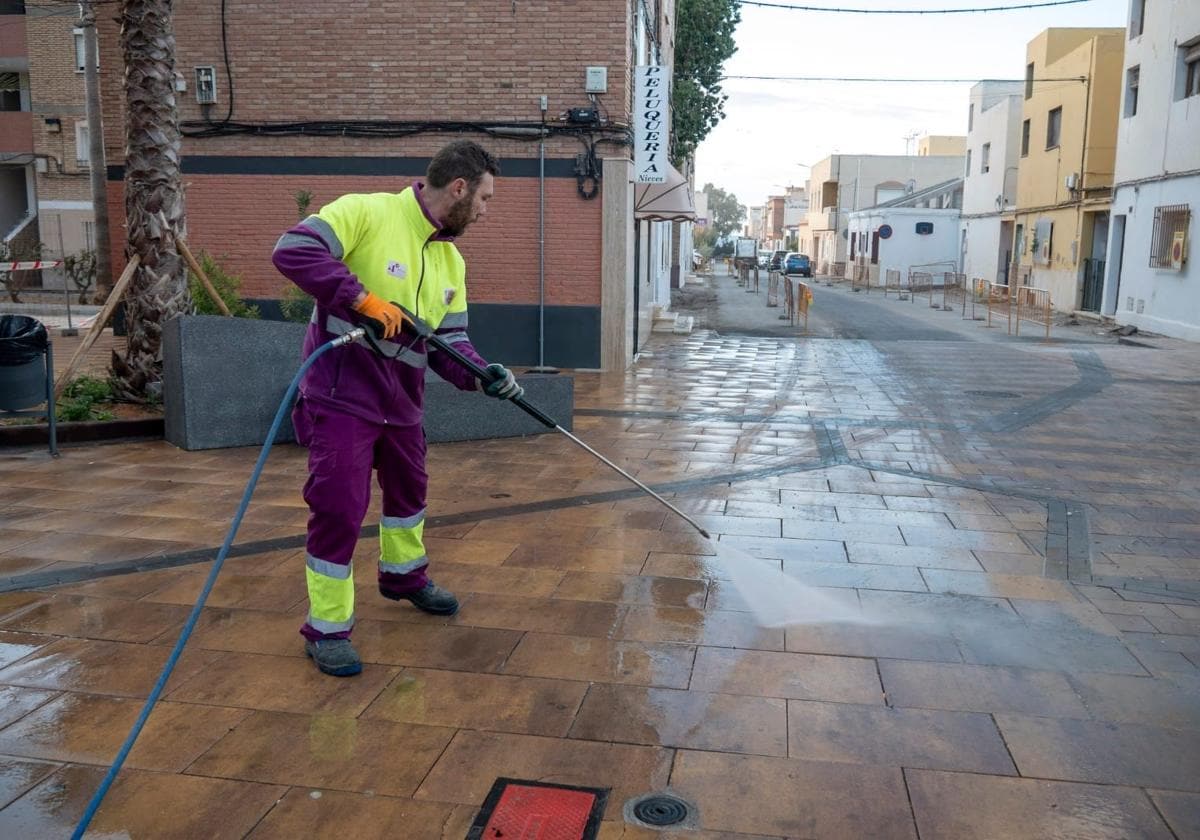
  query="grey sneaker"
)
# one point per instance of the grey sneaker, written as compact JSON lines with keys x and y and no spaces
{"x":432,"y":599}
{"x":336,"y":657}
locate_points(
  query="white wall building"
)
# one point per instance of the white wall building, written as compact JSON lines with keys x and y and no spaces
{"x":919,"y":232}
{"x":1157,"y":178}
{"x":990,"y":186}
{"x":840,"y":184}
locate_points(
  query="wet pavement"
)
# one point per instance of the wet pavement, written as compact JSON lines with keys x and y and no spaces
{"x":1009,"y":529}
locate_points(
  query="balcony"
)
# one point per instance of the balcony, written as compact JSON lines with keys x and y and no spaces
{"x":16,"y":133}
{"x":824,"y":220}
{"x":14,"y":49}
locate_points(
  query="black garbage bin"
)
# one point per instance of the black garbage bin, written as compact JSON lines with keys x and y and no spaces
{"x":27,"y":371}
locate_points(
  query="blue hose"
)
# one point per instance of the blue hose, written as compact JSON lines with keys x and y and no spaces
{"x":106,"y":783}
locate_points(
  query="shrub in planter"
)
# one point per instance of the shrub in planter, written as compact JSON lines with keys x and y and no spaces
{"x":227,"y":286}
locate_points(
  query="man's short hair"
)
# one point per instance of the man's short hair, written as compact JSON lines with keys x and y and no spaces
{"x":461,"y":159}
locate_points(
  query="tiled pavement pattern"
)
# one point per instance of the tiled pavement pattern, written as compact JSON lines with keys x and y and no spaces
{"x":1035,"y":559}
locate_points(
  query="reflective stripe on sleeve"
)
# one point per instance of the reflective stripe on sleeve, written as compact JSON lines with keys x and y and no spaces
{"x":324,"y":230}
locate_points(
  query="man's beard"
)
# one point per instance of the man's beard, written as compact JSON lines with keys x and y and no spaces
{"x":459,"y":217}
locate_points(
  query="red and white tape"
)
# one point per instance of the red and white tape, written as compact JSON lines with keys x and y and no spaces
{"x":30,"y":265}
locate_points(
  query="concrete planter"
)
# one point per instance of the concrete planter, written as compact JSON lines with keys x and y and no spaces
{"x":223,"y":379}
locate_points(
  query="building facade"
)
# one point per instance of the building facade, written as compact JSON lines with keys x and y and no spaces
{"x":990,"y":182}
{"x":916,"y":232}
{"x":1067,"y":151}
{"x":60,"y":136}
{"x":18,"y":201}
{"x":365,"y":113}
{"x":1157,"y":178}
{"x":941,"y":144}
{"x":840,"y":184}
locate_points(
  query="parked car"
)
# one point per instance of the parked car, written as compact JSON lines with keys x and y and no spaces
{"x":776,"y":263}
{"x":796,"y":263}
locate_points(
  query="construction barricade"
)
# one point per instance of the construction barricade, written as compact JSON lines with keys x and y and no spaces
{"x":773,"y":289}
{"x":999,"y":304}
{"x":1033,"y":305}
{"x":797,"y":299}
{"x":952,"y":290}
{"x":920,"y":283}
{"x":893,"y":281}
{"x":976,"y":294}
{"x":860,"y":277}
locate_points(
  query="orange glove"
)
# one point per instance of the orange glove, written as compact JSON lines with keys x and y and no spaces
{"x":387,"y":315}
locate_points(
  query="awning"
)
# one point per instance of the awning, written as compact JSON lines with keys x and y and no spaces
{"x":670,"y":201}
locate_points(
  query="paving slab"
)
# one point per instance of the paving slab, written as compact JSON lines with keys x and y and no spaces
{"x":1026,"y":566}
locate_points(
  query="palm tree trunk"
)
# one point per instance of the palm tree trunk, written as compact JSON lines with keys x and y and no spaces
{"x":154,"y":209}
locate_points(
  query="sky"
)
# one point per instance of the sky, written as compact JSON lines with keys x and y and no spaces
{"x":773,"y":129}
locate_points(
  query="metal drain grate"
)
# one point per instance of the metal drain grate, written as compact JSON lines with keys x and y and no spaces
{"x":996,"y":395}
{"x":661,"y":810}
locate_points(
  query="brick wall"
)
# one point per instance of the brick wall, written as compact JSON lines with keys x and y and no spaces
{"x":56,"y":92}
{"x":239,"y":219}
{"x":466,"y":60}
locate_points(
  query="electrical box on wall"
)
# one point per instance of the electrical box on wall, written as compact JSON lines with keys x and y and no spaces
{"x":206,"y":85}
{"x":596,"y":80}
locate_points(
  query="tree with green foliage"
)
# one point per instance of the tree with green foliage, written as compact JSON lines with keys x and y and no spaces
{"x":703,"y":41}
{"x":725,"y":214}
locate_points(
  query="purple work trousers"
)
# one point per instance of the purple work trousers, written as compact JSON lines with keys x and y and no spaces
{"x":342,"y":451}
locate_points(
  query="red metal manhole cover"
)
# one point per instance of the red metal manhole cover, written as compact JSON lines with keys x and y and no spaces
{"x":520,"y":810}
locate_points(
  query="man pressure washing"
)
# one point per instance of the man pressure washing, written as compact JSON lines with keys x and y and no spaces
{"x":368,"y":259}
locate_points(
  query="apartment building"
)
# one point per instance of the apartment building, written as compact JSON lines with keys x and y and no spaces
{"x":369,"y":91}
{"x":990,"y":180}
{"x":840,"y":184}
{"x":60,"y":135}
{"x":1151,"y":279}
{"x":45,"y":195}
{"x":1067,"y":151}
{"x":18,"y":201}
{"x":941,"y":144}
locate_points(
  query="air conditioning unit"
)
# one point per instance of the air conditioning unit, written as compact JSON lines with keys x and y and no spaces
{"x":1072,"y":181}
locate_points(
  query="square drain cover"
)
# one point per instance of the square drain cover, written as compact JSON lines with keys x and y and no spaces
{"x":519,"y":810}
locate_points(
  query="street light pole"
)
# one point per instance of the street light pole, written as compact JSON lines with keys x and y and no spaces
{"x":95,"y":124}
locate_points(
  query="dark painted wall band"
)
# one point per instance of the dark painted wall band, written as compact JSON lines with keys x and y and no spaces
{"x":380,"y":166}
{"x":508,"y":333}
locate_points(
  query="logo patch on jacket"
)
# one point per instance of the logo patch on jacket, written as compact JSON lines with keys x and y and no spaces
{"x":397,"y":270}
{"x":447,"y":296}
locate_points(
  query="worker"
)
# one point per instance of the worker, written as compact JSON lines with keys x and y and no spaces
{"x":360,"y":407}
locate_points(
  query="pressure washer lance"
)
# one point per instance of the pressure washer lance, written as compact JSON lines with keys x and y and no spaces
{"x":424,"y":331}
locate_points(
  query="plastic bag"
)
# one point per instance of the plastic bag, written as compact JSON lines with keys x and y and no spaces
{"x":22,"y":339}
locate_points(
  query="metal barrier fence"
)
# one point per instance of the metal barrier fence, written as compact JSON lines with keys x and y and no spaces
{"x":1033,"y":305}
{"x":837,"y":271}
{"x":976,"y":294}
{"x":920,"y":282}
{"x":798,"y":296}
{"x":1020,"y":303}
{"x":893,"y":281}
{"x":999,"y":299}
{"x":860,"y":277}
{"x":953,"y":288}
{"x":772,"y":289}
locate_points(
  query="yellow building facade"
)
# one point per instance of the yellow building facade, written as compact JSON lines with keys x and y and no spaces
{"x":1067,"y":153}
{"x":941,"y":144}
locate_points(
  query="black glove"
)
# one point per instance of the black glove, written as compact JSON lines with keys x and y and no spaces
{"x":503,"y":385}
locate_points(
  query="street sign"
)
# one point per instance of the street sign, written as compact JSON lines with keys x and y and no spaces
{"x":885,"y":231}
